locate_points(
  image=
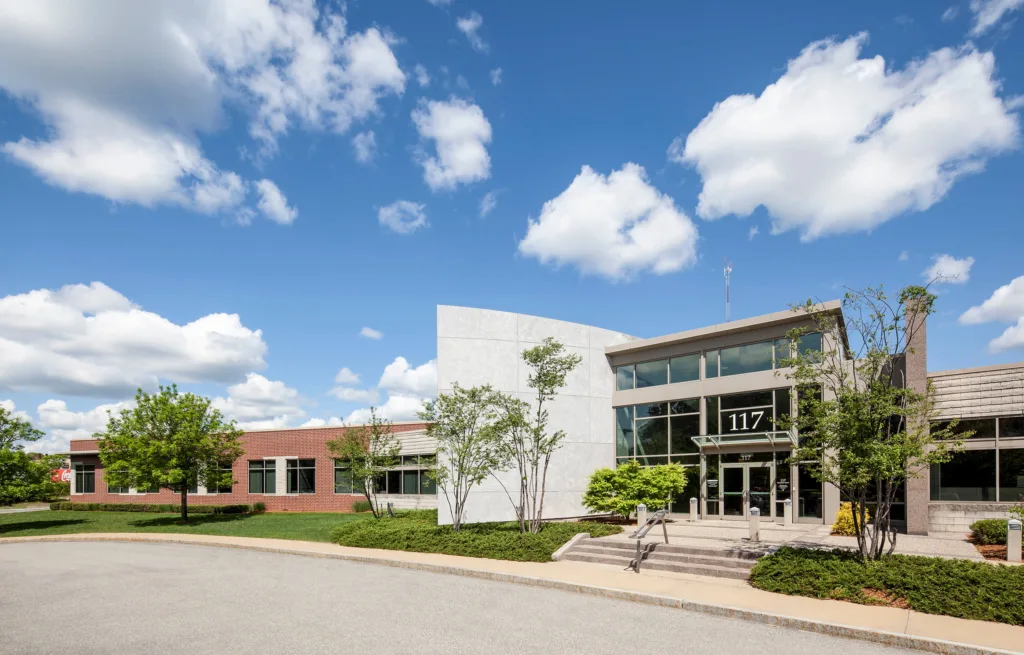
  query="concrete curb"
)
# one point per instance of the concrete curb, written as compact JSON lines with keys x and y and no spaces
{"x":831,"y":629}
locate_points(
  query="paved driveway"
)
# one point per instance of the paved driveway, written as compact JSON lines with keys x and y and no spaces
{"x":168,"y":598}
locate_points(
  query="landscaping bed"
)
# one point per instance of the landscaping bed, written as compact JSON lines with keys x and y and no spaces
{"x":968,"y":590}
{"x":417,"y":531}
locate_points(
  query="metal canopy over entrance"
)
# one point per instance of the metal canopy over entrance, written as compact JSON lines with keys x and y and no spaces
{"x":778,"y":438}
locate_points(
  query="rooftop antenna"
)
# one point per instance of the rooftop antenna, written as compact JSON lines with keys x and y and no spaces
{"x":728,"y":271}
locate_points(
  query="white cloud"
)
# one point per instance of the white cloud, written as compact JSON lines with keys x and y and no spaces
{"x":407,"y":389}
{"x":365,"y":145}
{"x":274,"y":205}
{"x":1005,"y":305}
{"x":319,"y":422}
{"x":125,"y":119}
{"x":951,"y":12}
{"x":260,"y":404}
{"x":460,"y":132}
{"x":346,"y":376}
{"x":440,"y":3}
{"x":399,"y":378}
{"x":946,"y":269}
{"x":989,"y":12}
{"x":397,"y":408}
{"x":614,"y":226}
{"x":496,"y":76}
{"x":841,"y":144}
{"x":752,"y":232}
{"x":422,"y":76}
{"x":90,"y":340}
{"x":353,"y":395}
{"x":470,"y":25}
{"x":14,"y":411}
{"x":370,"y":333}
{"x":62,"y":424}
{"x":403,"y":216}
{"x":488,"y":203}
{"x":904,"y":255}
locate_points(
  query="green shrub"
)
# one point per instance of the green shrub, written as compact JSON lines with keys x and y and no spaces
{"x":619,"y":491}
{"x":843,"y":524}
{"x":417,"y":531}
{"x":960,"y":588}
{"x":361,"y":506}
{"x":987,"y":532}
{"x":259,"y":508}
{"x":146,"y":507}
{"x":1017,"y":512}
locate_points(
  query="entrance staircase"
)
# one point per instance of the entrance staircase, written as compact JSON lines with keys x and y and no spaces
{"x":719,"y":562}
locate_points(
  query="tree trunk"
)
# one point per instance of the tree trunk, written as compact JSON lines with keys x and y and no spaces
{"x":184,"y":503}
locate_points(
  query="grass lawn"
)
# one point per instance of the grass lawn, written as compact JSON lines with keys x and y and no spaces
{"x":417,"y":531}
{"x":968,"y":590}
{"x":301,"y":526}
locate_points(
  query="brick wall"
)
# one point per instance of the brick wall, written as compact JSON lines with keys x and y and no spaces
{"x":304,"y":443}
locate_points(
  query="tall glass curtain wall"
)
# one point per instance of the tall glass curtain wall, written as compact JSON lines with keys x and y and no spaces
{"x":989,"y":474}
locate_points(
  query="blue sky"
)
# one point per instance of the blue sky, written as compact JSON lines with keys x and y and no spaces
{"x":200,"y":166}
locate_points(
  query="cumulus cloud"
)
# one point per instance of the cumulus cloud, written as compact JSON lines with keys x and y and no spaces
{"x":951,"y":12}
{"x":422,"y":76}
{"x":274,"y":205}
{"x":460,"y":133}
{"x":987,"y":13}
{"x":346,"y":376}
{"x":61,"y":424}
{"x":470,"y":25}
{"x":612,"y":225}
{"x":1005,"y":305}
{"x":488,"y":203}
{"x":947,"y":269}
{"x":353,"y":395}
{"x":365,"y":145}
{"x":496,"y":76}
{"x":904,"y":256}
{"x":403,"y":216}
{"x":14,"y":411}
{"x":125,"y":119}
{"x":407,"y":388}
{"x":261,"y":404}
{"x":319,"y":422}
{"x":370,"y":333}
{"x":753,"y":232}
{"x":396,"y":408}
{"x":840,"y":143}
{"x":91,"y":340}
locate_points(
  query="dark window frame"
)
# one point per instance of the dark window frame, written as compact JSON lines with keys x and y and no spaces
{"x":295,"y":482}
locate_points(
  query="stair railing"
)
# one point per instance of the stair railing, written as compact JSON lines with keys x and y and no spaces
{"x":643,"y":552}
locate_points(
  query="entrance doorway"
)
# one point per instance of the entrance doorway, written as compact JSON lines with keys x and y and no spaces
{"x":745,"y":486}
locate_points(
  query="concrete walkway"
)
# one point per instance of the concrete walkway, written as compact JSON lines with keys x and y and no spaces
{"x":729,"y":598}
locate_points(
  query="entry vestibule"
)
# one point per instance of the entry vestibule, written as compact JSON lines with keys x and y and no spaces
{"x":735,"y":482}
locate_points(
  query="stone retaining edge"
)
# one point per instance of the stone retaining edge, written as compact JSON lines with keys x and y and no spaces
{"x":830,"y":629}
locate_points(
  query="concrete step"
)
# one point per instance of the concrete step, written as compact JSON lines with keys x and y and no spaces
{"x":658,"y":565}
{"x":746,"y":552}
{"x":590,"y":548}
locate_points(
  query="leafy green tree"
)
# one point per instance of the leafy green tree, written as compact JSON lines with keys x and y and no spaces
{"x":464,"y":423}
{"x":23,"y":476}
{"x":169,"y":440}
{"x":620,"y":490}
{"x":859,"y":422}
{"x":367,"y":452}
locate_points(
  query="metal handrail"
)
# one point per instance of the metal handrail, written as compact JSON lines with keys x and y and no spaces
{"x":642,"y":552}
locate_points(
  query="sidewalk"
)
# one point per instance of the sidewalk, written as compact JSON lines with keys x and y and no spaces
{"x":897,"y":627}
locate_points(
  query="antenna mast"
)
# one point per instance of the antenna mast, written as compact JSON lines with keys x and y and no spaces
{"x":728,"y":271}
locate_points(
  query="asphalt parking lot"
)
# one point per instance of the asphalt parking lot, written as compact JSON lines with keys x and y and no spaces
{"x":169,"y":598}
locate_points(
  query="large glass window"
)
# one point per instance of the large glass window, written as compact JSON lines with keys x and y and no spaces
{"x":783,"y":350}
{"x":982,"y":428}
{"x":746,"y":359}
{"x":301,"y":476}
{"x":651,"y":410}
{"x":684,"y":424}
{"x":344,"y":483}
{"x":809,"y":494}
{"x":624,"y":377}
{"x":85,"y":478}
{"x":749,"y":413}
{"x":809,"y":342}
{"x":652,"y":441}
{"x":623,"y":431}
{"x":224,"y":481}
{"x":116,"y":490}
{"x":1011,"y":475}
{"x":652,"y":374}
{"x":684,"y":369}
{"x":262,"y":476}
{"x":651,"y":432}
{"x":1011,"y":427}
{"x":711,"y":364}
{"x":968,"y":476}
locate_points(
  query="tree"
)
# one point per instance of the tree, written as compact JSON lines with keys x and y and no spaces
{"x":620,"y":490}
{"x":525,"y":439}
{"x":367,"y":452}
{"x":23,"y":476}
{"x":468,"y":445}
{"x":862,"y":426}
{"x":169,"y":440}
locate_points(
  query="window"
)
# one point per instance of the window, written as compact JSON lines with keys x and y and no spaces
{"x":116,"y":490}
{"x":343,"y":480}
{"x":405,"y":481}
{"x":301,"y":476}
{"x":746,"y":359}
{"x":1011,"y":427}
{"x":623,"y":431}
{"x":652,"y":374}
{"x":809,"y":342}
{"x":783,"y":350}
{"x":968,"y":476}
{"x":85,"y":478}
{"x":711,"y":364}
{"x":624,"y":377}
{"x":652,"y":440}
{"x":982,"y":428}
{"x":684,"y":369}
{"x":262,"y":476}
{"x":684,"y":423}
{"x":651,"y":410}
{"x":225,"y":482}
{"x":650,"y":433}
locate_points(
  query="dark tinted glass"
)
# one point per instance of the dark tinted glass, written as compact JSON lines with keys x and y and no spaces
{"x":746,"y":359}
{"x":652,"y":437}
{"x":427,"y":485}
{"x":654,"y":409}
{"x":782,"y":351}
{"x":1011,"y":475}
{"x":690,"y":406}
{"x":1011,"y":427}
{"x":394,"y":482}
{"x":711,"y":409}
{"x":623,"y":431}
{"x":711,"y":364}
{"x":624,"y":377}
{"x":753,"y":399}
{"x":782,"y":406}
{"x":342,"y":481}
{"x":809,"y":342}
{"x":410,"y":482}
{"x":739,"y":458}
{"x":270,"y":480}
{"x":968,"y":476}
{"x":683,"y":428}
{"x":652,"y":374}
{"x":684,"y":369}
{"x":982,"y":428}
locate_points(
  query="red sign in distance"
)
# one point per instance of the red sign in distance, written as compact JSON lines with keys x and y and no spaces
{"x":61,"y":475}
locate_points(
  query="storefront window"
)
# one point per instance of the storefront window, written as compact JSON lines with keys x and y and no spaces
{"x":969,"y":476}
{"x":684,"y":369}
{"x":1011,"y":475}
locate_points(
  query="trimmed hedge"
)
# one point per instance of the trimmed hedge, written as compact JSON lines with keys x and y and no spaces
{"x":989,"y":532}
{"x":960,"y":588}
{"x":141,"y":507}
{"x":418,"y":531}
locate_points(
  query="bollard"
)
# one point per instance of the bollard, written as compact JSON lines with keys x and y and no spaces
{"x":1013,"y":535}
{"x":693,"y":509}
{"x":755,"y":524}
{"x":787,"y":512}
{"x":641,"y":515}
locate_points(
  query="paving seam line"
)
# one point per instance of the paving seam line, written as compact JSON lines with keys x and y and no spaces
{"x":807,"y":625}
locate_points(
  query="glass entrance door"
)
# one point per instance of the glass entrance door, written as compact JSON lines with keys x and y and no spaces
{"x":744,"y":486}
{"x":759,"y":487}
{"x":734,"y":493}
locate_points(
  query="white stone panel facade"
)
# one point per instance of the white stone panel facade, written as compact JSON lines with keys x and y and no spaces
{"x":481,"y":346}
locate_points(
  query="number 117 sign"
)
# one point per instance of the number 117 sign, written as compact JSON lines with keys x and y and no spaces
{"x":747,"y":420}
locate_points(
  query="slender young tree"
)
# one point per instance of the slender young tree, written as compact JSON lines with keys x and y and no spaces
{"x":169,"y":440}
{"x":367,"y":452}
{"x":858,"y":420}
{"x":468,"y":447}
